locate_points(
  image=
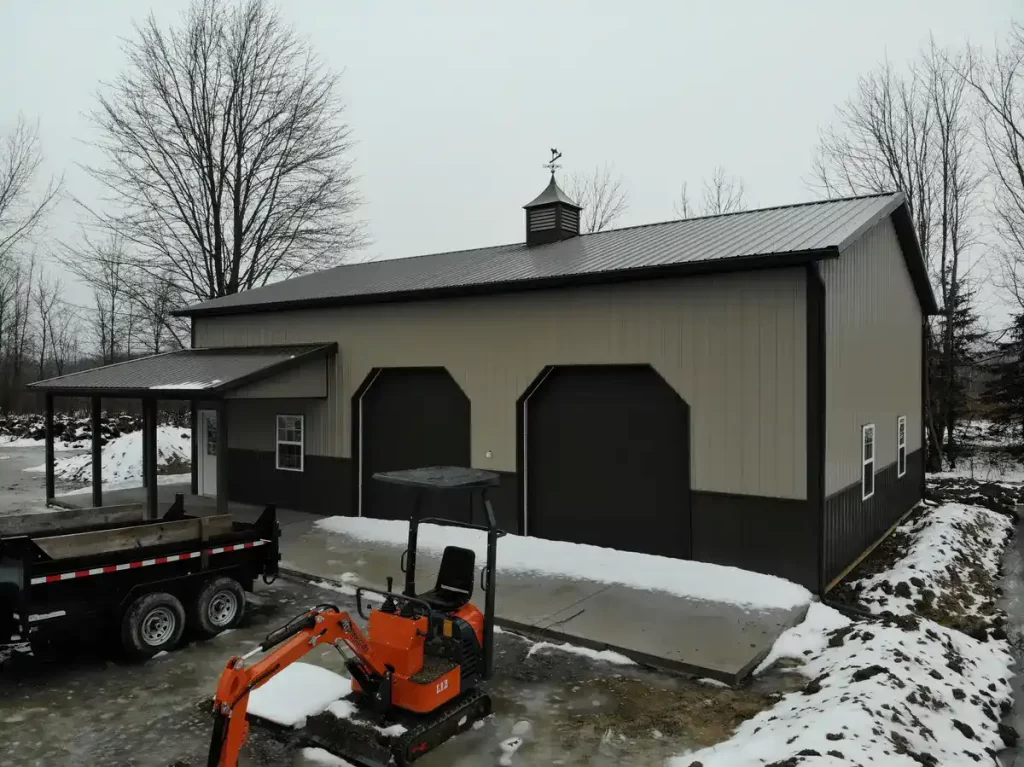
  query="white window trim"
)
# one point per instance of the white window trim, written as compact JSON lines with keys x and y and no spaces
{"x":278,"y":442}
{"x":901,"y":445}
{"x":864,"y":460}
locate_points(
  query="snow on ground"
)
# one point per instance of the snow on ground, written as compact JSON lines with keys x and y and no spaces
{"x":318,"y":756}
{"x":985,"y":467}
{"x":890,"y":692}
{"x":952,"y":559}
{"x":608,"y":656}
{"x":162,"y":479}
{"x":298,"y":691}
{"x":7,"y":441}
{"x":122,"y":457}
{"x":346,"y":709}
{"x":517,"y":553}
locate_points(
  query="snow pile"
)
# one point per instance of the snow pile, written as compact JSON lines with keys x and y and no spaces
{"x":895,"y":692}
{"x":949,"y":572}
{"x":346,"y":709}
{"x":122,"y":457}
{"x":298,"y":691}
{"x":163,"y":479}
{"x":517,"y":553}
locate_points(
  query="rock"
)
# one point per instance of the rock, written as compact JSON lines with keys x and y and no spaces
{"x":966,"y":729}
{"x":866,"y":673}
{"x":836,"y":754}
{"x":934,"y":674}
{"x":902,"y":590}
{"x":1009,"y":735}
{"x":808,"y":752}
{"x":833,"y":736}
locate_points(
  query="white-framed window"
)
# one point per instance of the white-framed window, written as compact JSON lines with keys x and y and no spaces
{"x":867,"y":455}
{"x":290,"y":446}
{"x":901,"y":446}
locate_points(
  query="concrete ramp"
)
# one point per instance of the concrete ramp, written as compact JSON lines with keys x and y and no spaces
{"x":709,"y":639}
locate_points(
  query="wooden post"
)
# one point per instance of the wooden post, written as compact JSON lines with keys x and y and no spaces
{"x":149,"y":470}
{"x":222,"y":457}
{"x":145,"y":447}
{"x":49,"y":447}
{"x":97,"y":455}
{"x":195,"y":447}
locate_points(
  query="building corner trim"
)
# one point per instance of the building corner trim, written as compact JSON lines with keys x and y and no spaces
{"x":816,"y":348}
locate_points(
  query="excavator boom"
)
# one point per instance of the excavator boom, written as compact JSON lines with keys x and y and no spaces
{"x":324,"y":624}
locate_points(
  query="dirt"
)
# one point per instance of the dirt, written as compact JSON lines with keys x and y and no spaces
{"x":707,"y":714}
{"x":968,"y":588}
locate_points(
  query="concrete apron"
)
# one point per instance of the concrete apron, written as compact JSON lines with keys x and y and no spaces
{"x":657,"y":629}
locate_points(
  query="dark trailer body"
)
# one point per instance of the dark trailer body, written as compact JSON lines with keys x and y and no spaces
{"x":66,"y":574}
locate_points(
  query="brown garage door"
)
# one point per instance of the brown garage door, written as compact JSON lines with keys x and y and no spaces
{"x":607,"y":460}
{"x":410,"y":417}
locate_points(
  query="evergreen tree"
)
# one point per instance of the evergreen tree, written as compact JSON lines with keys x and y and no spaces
{"x":1005,"y":392}
{"x":947,"y":383}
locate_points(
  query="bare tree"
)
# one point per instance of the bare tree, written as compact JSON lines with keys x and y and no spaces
{"x":159,"y":330}
{"x":998,"y":83}
{"x":104,"y":265}
{"x":22,"y":211}
{"x":603,"y":196}
{"x":16,"y":278}
{"x":881,"y":141}
{"x":912,"y":133}
{"x":226,"y":153}
{"x":45,"y":299}
{"x":722,"y":193}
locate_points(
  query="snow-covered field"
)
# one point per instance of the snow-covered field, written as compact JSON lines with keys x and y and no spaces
{"x":122,"y":458}
{"x":517,"y":553}
{"x":162,"y":479}
{"x":952,"y":560}
{"x":896,"y":692}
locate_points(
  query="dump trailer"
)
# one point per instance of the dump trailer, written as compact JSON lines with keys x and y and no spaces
{"x":110,"y":572}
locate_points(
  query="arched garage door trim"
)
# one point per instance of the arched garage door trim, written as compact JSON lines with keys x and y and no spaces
{"x":359,"y":420}
{"x":679,"y":409}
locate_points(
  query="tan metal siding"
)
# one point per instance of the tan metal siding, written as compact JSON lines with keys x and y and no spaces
{"x":732,"y":345}
{"x":873,"y":354}
{"x":307,"y":380}
{"x":251,"y":423}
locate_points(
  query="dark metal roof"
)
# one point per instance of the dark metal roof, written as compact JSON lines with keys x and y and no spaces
{"x":186,"y":373}
{"x":553,"y":193}
{"x":784,"y":236}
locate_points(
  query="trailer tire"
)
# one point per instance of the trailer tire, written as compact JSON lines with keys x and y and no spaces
{"x":219,"y":606}
{"x":153,"y":623}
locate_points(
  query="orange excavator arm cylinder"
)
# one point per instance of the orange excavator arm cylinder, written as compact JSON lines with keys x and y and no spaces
{"x":231,"y":702}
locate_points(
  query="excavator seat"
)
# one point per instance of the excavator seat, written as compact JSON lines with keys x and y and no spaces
{"x":454,"y":586}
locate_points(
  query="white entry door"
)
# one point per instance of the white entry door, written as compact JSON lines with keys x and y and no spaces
{"x":208,"y":452}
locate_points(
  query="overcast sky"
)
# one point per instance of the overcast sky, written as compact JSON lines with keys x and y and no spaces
{"x":455,"y":104}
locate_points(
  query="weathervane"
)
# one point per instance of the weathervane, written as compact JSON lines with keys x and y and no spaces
{"x":553,"y":165}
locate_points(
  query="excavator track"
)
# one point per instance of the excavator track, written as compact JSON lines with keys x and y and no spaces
{"x":451,"y":719}
{"x":362,"y":743}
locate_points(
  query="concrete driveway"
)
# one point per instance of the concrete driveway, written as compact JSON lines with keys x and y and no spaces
{"x":709,"y":639}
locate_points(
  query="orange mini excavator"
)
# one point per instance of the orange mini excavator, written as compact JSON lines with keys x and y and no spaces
{"x":421,"y":660}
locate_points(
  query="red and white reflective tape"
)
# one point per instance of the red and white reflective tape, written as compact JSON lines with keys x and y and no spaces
{"x":144,"y":563}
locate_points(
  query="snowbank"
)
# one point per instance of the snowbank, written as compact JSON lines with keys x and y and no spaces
{"x":298,"y":691}
{"x":892,"y":692}
{"x":122,"y":457}
{"x":949,"y":569}
{"x":607,"y":656}
{"x":517,"y":553}
{"x":162,"y":479}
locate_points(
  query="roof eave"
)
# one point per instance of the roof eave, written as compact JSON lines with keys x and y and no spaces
{"x":691,"y":269}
